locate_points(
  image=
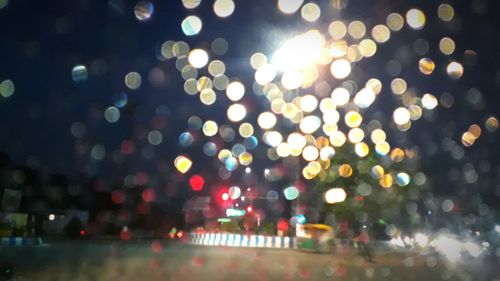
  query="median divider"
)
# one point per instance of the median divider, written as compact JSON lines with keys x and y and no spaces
{"x":242,"y":240}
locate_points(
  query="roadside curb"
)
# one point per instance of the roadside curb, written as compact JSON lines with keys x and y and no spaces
{"x":21,"y":241}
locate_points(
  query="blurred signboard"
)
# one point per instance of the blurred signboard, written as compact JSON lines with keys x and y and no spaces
{"x":235,"y":213}
{"x":11,"y":200}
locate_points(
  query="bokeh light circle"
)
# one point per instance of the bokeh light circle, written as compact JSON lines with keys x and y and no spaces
{"x":340,"y":68}
{"x":143,"y":10}
{"x":235,"y":91}
{"x":223,"y":8}
{"x":236,"y":112}
{"x":198,"y":58}
{"x":210,"y":128}
{"x":112,"y":114}
{"x":291,"y":193}
{"x":335,"y":195}
{"x":191,"y":25}
{"x":234,"y":192}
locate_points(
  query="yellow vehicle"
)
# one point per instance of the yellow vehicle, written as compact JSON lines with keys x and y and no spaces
{"x":315,"y":237}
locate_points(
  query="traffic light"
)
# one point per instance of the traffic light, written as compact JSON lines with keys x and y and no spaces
{"x":225,"y":196}
{"x":249,"y":209}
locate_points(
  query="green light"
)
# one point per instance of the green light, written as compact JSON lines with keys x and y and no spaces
{"x":235,"y":213}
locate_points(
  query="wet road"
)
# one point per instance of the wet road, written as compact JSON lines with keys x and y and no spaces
{"x":156,"y":260}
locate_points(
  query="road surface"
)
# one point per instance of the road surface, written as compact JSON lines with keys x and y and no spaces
{"x":157,"y":260}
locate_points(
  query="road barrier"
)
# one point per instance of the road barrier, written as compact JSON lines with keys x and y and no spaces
{"x":263,"y":241}
{"x":21,"y":241}
{"x":241,"y":240}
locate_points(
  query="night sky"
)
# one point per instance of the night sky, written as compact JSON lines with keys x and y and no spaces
{"x":41,"y":42}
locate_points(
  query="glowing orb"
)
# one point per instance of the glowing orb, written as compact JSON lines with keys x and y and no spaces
{"x":291,"y":193}
{"x":340,"y":68}
{"x":183,"y":164}
{"x":235,"y":91}
{"x":236,"y":112}
{"x":198,"y":58}
{"x":234,"y":192}
{"x":335,"y":195}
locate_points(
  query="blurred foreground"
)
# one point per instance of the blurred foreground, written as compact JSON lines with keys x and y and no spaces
{"x":156,"y":260}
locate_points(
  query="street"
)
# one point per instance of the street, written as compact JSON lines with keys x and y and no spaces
{"x":155,"y":260}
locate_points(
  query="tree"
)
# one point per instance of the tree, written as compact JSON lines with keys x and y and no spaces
{"x":375,"y":185}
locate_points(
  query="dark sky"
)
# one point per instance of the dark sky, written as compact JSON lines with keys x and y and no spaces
{"x":41,"y":41}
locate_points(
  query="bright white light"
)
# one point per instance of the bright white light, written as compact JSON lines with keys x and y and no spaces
{"x":335,"y":195}
{"x":265,"y":74}
{"x":235,"y":91}
{"x":198,"y":58}
{"x":248,"y":170}
{"x":497,"y":228}
{"x":327,"y":153}
{"x":296,"y":141}
{"x":310,"y":124}
{"x":299,"y":52}
{"x":429,"y":101}
{"x":421,"y":239}
{"x":340,"y":96}
{"x":340,"y":69}
{"x":266,"y":120}
{"x":310,"y":153}
{"x":308,"y":103}
{"x":292,"y":80}
{"x":401,"y":116}
{"x":364,"y":98}
{"x":236,"y":112}
{"x":273,"y":138}
{"x":52,"y":217}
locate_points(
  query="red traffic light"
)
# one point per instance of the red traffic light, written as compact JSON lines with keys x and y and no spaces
{"x":196,"y":182}
{"x":249,"y":209}
{"x":225,"y":196}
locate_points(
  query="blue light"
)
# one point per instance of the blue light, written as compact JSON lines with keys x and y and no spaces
{"x":186,"y":139}
{"x":210,"y":149}
{"x":301,"y":219}
{"x":120,"y":99}
{"x":231,"y":164}
{"x":251,"y":143}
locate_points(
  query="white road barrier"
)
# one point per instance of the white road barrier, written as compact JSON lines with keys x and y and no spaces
{"x":241,"y":240}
